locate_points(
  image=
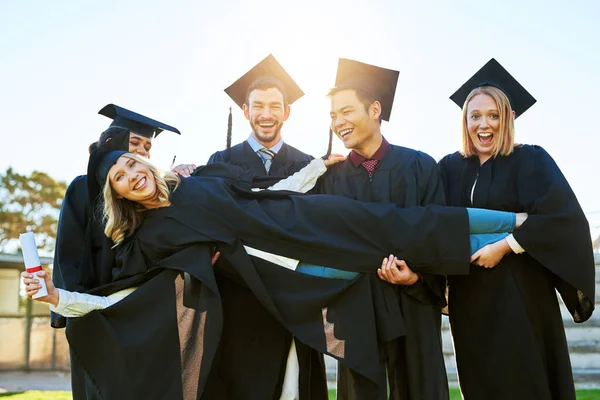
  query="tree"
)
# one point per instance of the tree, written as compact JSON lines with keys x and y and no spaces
{"x":29,"y":203}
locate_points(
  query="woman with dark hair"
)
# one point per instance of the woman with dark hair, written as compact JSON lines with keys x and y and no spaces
{"x":506,"y":323}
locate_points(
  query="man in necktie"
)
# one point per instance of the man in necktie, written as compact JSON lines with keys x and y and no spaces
{"x":267,"y":157}
{"x":265,"y":94}
{"x":254,"y":358}
{"x":378,"y":171}
{"x":369,"y":166}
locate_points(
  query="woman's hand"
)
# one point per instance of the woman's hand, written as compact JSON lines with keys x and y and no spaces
{"x":396,"y":272}
{"x":32,"y":286}
{"x":490,"y":255}
{"x":333,"y":159}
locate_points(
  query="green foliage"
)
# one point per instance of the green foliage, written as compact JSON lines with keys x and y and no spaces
{"x":29,"y":203}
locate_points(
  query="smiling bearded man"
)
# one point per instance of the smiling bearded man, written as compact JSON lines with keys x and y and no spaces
{"x":253,"y":361}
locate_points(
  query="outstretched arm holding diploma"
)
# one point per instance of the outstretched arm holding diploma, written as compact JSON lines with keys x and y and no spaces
{"x":66,"y":303}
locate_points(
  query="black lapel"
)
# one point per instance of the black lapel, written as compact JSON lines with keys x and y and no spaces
{"x":484,"y":182}
{"x":246,"y":158}
{"x":470,"y":171}
{"x":282,"y":162}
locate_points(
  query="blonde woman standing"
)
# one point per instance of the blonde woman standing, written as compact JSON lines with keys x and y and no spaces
{"x":506,"y":323}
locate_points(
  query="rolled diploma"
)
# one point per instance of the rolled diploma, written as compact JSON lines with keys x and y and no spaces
{"x":32,"y":260}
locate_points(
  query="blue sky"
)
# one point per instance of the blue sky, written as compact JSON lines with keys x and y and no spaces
{"x":62,"y":61}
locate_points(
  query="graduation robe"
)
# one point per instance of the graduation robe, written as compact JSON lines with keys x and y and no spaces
{"x":506,"y":322}
{"x":83,"y":259}
{"x":286,"y":162}
{"x":76,"y":268}
{"x":253,"y":364}
{"x":416,"y":370}
{"x":167,"y":332}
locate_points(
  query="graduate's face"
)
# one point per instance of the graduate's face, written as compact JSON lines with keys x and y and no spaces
{"x":140,"y":144}
{"x":266,"y":112}
{"x":132,"y":180}
{"x":483,"y":122}
{"x":356,"y":126}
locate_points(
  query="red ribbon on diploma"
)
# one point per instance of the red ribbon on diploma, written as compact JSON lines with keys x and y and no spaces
{"x":34,"y":269}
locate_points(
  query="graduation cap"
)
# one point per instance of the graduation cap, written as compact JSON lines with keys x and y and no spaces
{"x":267,"y":68}
{"x":102,"y":159}
{"x":135,"y":122}
{"x":493,"y":74}
{"x":379,"y":82}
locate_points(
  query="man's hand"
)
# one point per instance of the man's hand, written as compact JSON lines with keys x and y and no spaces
{"x":185,"y":170}
{"x":333,"y":159}
{"x":490,"y":255}
{"x":32,"y":286}
{"x":396,"y":272}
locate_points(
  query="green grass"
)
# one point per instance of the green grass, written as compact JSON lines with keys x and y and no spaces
{"x":37,"y":395}
{"x":590,"y":394}
{"x":454,"y":395}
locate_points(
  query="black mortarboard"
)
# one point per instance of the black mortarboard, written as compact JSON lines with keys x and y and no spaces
{"x":376,"y":81}
{"x":102,"y":159}
{"x":135,"y":122}
{"x":494,"y":74}
{"x":269,"y":67}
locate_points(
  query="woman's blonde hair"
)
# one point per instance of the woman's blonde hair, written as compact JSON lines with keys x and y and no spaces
{"x":505,"y":143}
{"x":122,"y":217}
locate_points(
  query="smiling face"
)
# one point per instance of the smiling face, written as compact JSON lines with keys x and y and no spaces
{"x":488,"y":124}
{"x":483,"y":124}
{"x":132,"y":180}
{"x":140,"y":144}
{"x":266,"y":112}
{"x":355,"y":124}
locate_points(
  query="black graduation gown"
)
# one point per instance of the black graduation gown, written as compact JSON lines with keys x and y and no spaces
{"x":257,"y":358}
{"x":75,"y":267}
{"x":404,"y":177}
{"x":286,"y":162}
{"x":83,"y":259}
{"x":169,"y":339}
{"x":506,"y":323}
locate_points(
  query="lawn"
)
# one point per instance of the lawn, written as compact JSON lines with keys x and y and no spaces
{"x":592,"y":394}
{"x":37,"y":395}
{"x":454,"y":395}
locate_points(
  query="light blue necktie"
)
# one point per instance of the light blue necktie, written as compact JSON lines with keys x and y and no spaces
{"x":267,"y":157}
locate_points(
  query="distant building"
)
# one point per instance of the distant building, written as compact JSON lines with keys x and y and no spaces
{"x":11,"y":266}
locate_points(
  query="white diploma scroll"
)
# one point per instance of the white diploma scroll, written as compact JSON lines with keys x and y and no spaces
{"x":32,"y":260}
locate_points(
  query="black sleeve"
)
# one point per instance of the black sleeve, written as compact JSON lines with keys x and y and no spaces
{"x":330,"y":230}
{"x":70,"y":236}
{"x":431,"y":289}
{"x":70,"y":241}
{"x":556,"y":233}
{"x":235,"y":175}
{"x":216,"y":157}
{"x":431,"y":186}
{"x":443,"y":168}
